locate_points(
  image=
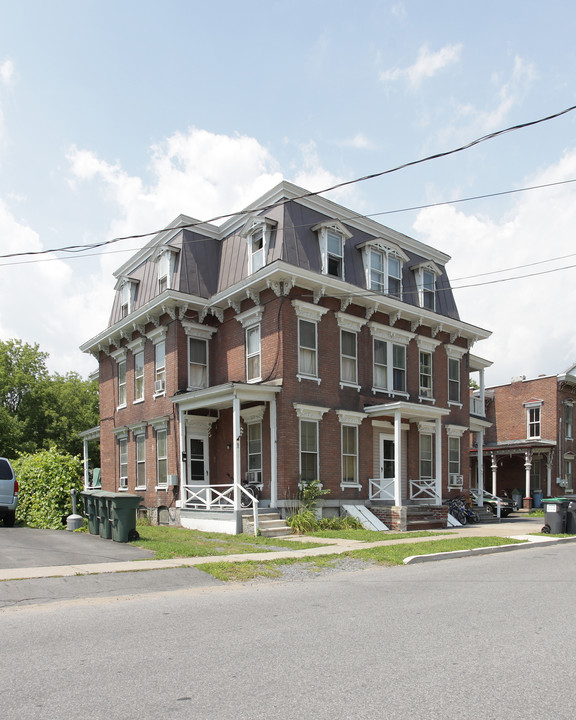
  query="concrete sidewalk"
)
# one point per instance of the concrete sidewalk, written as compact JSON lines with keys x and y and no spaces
{"x":518,"y":528}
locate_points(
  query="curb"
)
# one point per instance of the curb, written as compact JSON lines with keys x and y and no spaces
{"x":492,"y":549}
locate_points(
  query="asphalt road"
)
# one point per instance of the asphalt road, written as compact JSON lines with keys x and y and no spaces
{"x":22,"y":547}
{"x":484,"y":637}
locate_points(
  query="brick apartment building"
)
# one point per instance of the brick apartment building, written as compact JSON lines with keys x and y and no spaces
{"x":529,"y":446}
{"x":297,"y":341}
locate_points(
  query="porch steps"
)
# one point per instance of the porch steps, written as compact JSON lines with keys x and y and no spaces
{"x":272,"y":525}
{"x":362,"y":514}
{"x":423,"y":518}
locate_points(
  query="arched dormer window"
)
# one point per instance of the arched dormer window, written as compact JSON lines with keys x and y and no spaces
{"x":426,"y":274}
{"x":128,"y":288}
{"x":257,"y":232}
{"x":331,"y":237}
{"x":166,"y":258}
{"x":383,"y":261}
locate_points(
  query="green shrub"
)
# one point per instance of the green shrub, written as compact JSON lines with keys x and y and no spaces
{"x":303,"y":521}
{"x":45,"y":480}
{"x":340,"y":523}
{"x":309,"y":493}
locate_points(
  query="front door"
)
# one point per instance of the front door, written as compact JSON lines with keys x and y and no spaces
{"x":387,"y":452}
{"x":197,"y":461}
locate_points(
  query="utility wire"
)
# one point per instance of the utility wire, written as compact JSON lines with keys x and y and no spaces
{"x":372,"y":176}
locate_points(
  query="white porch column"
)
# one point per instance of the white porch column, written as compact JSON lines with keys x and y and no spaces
{"x":397,"y":458}
{"x":480,"y":480}
{"x":182,"y":439}
{"x":438,"y":453}
{"x":236,"y":432}
{"x":482,"y":391}
{"x":527,"y":468}
{"x":273,"y":455}
{"x":494,"y":473}
{"x":549,"y":474}
{"x":85,"y":455}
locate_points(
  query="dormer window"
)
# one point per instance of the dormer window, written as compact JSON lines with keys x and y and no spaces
{"x":332,"y":236}
{"x":426,"y":274}
{"x":383,"y":261}
{"x":258,"y":234}
{"x":127,"y":297}
{"x":165,"y":267}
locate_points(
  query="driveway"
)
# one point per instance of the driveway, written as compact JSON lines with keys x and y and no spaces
{"x":29,"y":547}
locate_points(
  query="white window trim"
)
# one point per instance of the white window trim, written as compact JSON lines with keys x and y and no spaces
{"x":419,"y":271}
{"x":137,"y":437}
{"x":198,"y":332}
{"x":533,"y":406}
{"x":157,"y":430}
{"x":308,"y":313}
{"x":159,"y":369}
{"x":253,"y":227}
{"x":391,"y":336}
{"x":317,"y":425}
{"x":344,"y":485}
{"x":322,"y":229}
{"x":190,"y":386}
{"x":388,"y":249}
{"x":352,"y":324}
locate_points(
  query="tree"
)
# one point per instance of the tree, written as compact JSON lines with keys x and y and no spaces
{"x":45,"y":480}
{"x":38,"y":410}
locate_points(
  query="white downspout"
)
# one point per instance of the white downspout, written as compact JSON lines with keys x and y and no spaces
{"x":480,"y":481}
{"x":236,"y":451}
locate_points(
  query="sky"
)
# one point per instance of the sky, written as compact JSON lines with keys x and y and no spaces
{"x":116,"y":117}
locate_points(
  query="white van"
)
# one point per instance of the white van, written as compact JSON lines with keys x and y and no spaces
{"x":8,"y":493}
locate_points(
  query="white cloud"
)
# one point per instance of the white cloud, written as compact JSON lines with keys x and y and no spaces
{"x":360,"y":142}
{"x":427,"y":65}
{"x":7,"y":72}
{"x":530,"y":318}
{"x":509,"y":94}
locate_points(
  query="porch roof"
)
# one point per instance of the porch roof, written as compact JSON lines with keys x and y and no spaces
{"x":515,"y":447}
{"x":413,"y":412}
{"x":222,"y":396}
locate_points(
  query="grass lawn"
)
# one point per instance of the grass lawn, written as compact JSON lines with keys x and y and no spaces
{"x":173,"y":542}
{"x":375,"y":535}
{"x":384,"y":555}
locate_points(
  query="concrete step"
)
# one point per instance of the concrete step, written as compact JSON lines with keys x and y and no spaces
{"x":271,"y":525}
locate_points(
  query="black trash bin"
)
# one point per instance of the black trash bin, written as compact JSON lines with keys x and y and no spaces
{"x":571,"y":517}
{"x":555,"y":514}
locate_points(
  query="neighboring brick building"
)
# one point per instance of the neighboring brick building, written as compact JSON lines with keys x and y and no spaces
{"x":529,"y":446}
{"x":297,"y":341}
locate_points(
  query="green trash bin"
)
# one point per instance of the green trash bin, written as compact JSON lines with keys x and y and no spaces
{"x":90,"y":499}
{"x":555,"y":513}
{"x":104,"y":510}
{"x":123,"y":516}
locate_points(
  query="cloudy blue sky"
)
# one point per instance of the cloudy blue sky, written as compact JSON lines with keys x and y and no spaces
{"x":117,"y":116}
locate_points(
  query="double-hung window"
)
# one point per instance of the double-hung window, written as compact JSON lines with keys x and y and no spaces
{"x":122,"y":383}
{"x":255,"y":450}
{"x":425,"y":374}
{"x":453,"y":380}
{"x":533,"y":421}
{"x":308,"y":451}
{"x":258,"y":233}
{"x":161,"y":458}
{"x":389,"y":362}
{"x":309,"y":317}
{"x":253,"y":351}
{"x":250,"y":321}
{"x":308,"y":348}
{"x":349,"y":454}
{"x":332,"y":236}
{"x":426,"y":274}
{"x":426,"y":457}
{"x":348,"y":357}
{"x":454,"y":456}
{"x":383,"y":262}
{"x":141,"y":461}
{"x":139,"y":376}
{"x":160,"y":368}
{"x":568,"y":421}
{"x":123,"y":461}
{"x":197,"y":363}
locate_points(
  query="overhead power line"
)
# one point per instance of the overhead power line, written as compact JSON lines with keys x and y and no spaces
{"x":372,"y":176}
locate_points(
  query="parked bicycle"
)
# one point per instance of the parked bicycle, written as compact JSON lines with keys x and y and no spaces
{"x":462,"y":511}
{"x":252,"y":487}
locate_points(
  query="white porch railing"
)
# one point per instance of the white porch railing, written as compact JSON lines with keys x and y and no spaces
{"x":477,"y":406}
{"x":424,"y":490}
{"x":381,"y":488}
{"x":217,"y":498}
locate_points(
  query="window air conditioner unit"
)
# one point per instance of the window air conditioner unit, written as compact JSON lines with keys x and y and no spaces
{"x":254,"y":476}
{"x":172,"y":480}
{"x":426,"y":392}
{"x":159,"y":386}
{"x":455,"y":481}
